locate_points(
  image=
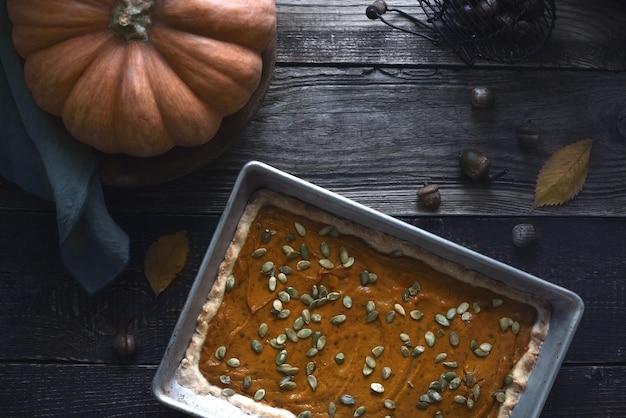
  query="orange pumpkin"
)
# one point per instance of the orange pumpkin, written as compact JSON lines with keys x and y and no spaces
{"x":139,"y":77}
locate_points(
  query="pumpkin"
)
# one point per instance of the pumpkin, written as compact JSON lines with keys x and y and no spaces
{"x":139,"y":77}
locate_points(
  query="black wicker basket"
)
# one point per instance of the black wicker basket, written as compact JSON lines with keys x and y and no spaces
{"x":504,"y":31}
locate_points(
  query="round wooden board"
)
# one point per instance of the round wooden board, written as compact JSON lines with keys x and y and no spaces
{"x":126,"y":171}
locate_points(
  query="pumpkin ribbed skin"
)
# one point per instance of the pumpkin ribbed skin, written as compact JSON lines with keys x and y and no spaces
{"x":201,"y":61}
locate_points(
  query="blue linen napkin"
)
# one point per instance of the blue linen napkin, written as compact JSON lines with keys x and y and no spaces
{"x":38,"y":154}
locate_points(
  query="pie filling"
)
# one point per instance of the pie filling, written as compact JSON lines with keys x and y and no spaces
{"x":315,"y":316}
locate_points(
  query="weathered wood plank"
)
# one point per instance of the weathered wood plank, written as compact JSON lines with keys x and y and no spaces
{"x":38,"y":299}
{"x":587,"y":35}
{"x":124,"y":390}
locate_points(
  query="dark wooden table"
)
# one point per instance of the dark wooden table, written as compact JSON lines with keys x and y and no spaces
{"x":370,"y":113}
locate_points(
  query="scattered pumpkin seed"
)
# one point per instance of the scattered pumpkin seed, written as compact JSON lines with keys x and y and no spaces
{"x":332,"y":409}
{"x":225,"y":379}
{"x":268,"y":268}
{"x":378,"y":351}
{"x":364,"y":278}
{"x":481,"y":353}
{"x":282,"y":277}
{"x":304,"y":251}
{"x":371,"y":316}
{"x":347,"y":400}
{"x":284,"y":314}
{"x":247,"y":382}
{"x":442,"y":320}
{"x":312,"y":381}
{"x":496,"y":302}
{"x":233,"y":362}
{"x":460,"y":399}
{"x":451,"y":364}
{"x":486,"y":347}
{"x":287,"y":384}
{"x":340,"y":358}
{"x":416,"y":314}
{"x":259,"y":395}
{"x":338,"y":319}
{"x":300,"y":229}
{"x":455,"y":383}
{"x":281,"y":357}
{"x":281,"y":338}
{"x":500,"y":395}
{"x":312,"y":352}
{"x":386,"y":372}
{"x":390,"y":316}
{"x":306,"y":316}
{"x":451,"y":313}
{"x":470,"y":403}
{"x":220,"y":353}
{"x":310,"y":367}
{"x":389,"y":404}
{"x":370,"y":306}
{"x":429,"y":337}
{"x":349,"y":263}
{"x":476,"y":307}
{"x":347,"y":302}
{"x":469,"y":378}
{"x":476,"y":391}
{"x":508,"y":380}
{"x":304,"y":333}
{"x":321,"y":343}
{"x":325,"y":230}
{"x":257,"y":347}
{"x":400,"y":309}
{"x":303,"y":265}
{"x":423,"y":405}
{"x":466,"y":317}
{"x":228,"y":392}
{"x":440,"y":357}
{"x":326,"y":263}
{"x":316,"y":317}
{"x":325,"y":249}
{"x":230,"y":283}
{"x":367,"y":370}
{"x":370,"y":361}
{"x":292,"y":292}
{"x":291,"y":335}
{"x":435,"y":396}
{"x":417,"y":350}
{"x":404,"y":350}
{"x":438,"y":414}
{"x":271,"y":283}
{"x":284,"y":296}
{"x":515,"y":326}
{"x":454,"y":338}
{"x":462,"y":308}
{"x":343,"y":255}
{"x":405,"y":337}
{"x":359,"y":411}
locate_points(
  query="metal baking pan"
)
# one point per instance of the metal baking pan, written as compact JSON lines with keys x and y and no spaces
{"x":567,"y":307}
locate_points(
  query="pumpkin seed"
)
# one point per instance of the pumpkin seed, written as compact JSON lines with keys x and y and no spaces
{"x":378,"y":351}
{"x":440,"y":357}
{"x":303,"y":265}
{"x":470,"y":403}
{"x":332,"y":409}
{"x":370,"y":361}
{"x":419,"y":349}
{"x":469,"y":378}
{"x":300,"y":229}
{"x":390,"y":316}
{"x":277,"y":306}
{"x":476,"y":307}
{"x":316,"y":317}
{"x":349,"y":263}
{"x":451,"y":313}
{"x":284,"y":314}
{"x":400,"y":309}
{"x":435,"y":396}
{"x":347,"y":400}
{"x":325,"y":249}
{"x":220,"y":353}
{"x":340,"y":358}
{"x":233,"y":362}
{"x":496,"y":302}
{"x":367,"y":370}
{"x":386,"y":372}
{"x":462,"y":308}
{"x":404,"y":350}
{"x":372,"y":277}
{"x":247,"y":382}
{"x":306,"y":316}
{"x":481,"y":353}
{"x":455,"y":383}
{"x":228,"y":392}
{"x":347,"y":302}
{"x":486,"y":347}
{"x":312,"y":381}
{"x":406,"y":295}
{"x":287,"y":384}
{"x":500,"y":395}
{"x":292,"y":292}
{"x":291,"y":335}
{"x":508,"y":380}
{"x":287,"y":250}
{"x":364,"y":277}
{"x":438,"y":414}
{"x":436,"y":385}
{"x":285,"y":270}
{"x":451,"y":364}
{"x":281,"y":357}
{"x":271,"y":283}
{"x":259,"y":395}
{"x":304,"y":333}
{"x":257,"y":347}
{"x":225,"y":379}
{"x":359,"y":411}
{"x":416,"y":314}
{"x":515,"y":326}
{"x":284,"y":296}
{"x":326,"y":263}
{"x":304,"y":251}
{"x":321,"y":343}
{"x":311,"y":352}
{"x":343,"y":255}
{"x":287,"y":369}
{"x":377,"y":387}
{"x":281,"y":338}
{"x":429,"y":337}
{"x":298,"y":324}
{"x":371,"y":316}
{"x":310,"y":367}
{"x":460,"y":399}
{"x":268,"y":267}
{"x":466,"y":316}
{"x":230,"y":283}
{"x":325,"y":230}
{"x":389,"y":404}
{"x":338,"y":319}
{"x":476,"y":391}
{"x":454,"y":338}
{"x":423,"y":405}
{"x":442,"y":320}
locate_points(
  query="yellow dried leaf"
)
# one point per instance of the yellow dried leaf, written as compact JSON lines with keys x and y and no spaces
{"x":563,"y":175}
{"x":165,"y":258}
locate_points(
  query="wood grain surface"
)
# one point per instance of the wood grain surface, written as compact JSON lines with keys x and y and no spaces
{"x":370,"y":113}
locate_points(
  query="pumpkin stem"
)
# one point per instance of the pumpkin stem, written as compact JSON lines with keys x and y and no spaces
{"x":131,"y":19}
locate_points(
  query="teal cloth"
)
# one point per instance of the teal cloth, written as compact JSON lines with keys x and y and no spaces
{"x":38,"y":154}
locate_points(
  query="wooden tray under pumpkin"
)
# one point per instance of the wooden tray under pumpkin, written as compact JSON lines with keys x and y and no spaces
{"x":126,"y":171}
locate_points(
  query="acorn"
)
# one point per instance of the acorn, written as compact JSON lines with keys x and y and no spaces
{"x":428,"y":197}
{"x":483,"y":97}
{"x":524,"y":235}
{"x":528,"y":134}
{"x":476,"y":165}
{"x":125,"y":344}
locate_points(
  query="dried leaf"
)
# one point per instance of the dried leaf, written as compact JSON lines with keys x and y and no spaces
{"x":563,"y":175}
{"x":165,"y":258}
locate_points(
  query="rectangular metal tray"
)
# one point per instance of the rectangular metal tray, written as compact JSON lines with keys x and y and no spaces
{"x":567,"y":307}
